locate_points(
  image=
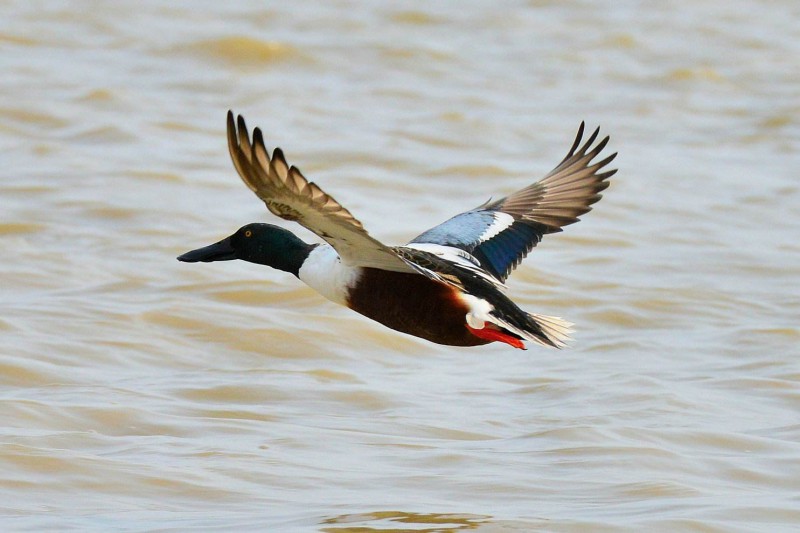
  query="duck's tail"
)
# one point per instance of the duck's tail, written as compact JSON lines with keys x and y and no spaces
{"x":549,"y":331}
{"x":541,"y":329}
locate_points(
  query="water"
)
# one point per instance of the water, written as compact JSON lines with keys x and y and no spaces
{"x":139,"y":393}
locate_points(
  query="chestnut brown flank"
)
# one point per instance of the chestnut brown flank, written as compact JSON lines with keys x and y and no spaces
{"x":415,"y":305}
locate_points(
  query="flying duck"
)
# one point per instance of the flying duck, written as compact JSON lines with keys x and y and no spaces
{"x":447,"y":284}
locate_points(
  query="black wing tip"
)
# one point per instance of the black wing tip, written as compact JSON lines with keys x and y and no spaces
{"x":592,"y":137}
{"x":277,"y":154}
{"x":237,"y":128}
{"x":590,"y":141}
{"x":577,"y":141}
{"x":608,"y":159}
{"x":602,"y":144}
{"x":231,"y":123}
{"x":605,"y":175}
{"x":578,"y":146}
{"x":258,"y":137}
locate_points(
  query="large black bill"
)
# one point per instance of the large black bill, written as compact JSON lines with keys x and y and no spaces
{"x":220,"y":251}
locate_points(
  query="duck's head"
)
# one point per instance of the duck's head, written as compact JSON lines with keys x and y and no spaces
{"x":264,"y":244}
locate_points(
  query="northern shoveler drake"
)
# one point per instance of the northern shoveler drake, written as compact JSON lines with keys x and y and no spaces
{"x":447,"y":284}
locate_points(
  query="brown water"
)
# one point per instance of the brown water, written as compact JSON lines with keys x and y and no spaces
{"x":139,"y":393}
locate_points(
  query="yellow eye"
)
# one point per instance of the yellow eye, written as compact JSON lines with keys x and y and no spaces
{"x":248,"y":233}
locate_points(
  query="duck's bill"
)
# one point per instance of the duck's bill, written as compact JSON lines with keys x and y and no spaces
{"x":220,"y":251}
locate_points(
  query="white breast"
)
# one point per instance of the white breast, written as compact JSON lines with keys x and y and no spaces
{"x":324,"y":272}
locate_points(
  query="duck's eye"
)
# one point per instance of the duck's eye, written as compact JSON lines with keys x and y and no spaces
{"x":248,"y":233}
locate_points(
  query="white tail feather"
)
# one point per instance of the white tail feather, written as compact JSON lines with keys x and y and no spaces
{"x":556,"y":329}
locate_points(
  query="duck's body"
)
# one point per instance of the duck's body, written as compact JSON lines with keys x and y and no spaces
{"x":403,"y":301}
{"x":424,"y":308}
{"x":446,"y":285}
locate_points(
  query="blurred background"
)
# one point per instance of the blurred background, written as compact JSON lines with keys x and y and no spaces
{"x":140,"y":393}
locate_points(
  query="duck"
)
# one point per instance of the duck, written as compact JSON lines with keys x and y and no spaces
{"x":448,"y":284}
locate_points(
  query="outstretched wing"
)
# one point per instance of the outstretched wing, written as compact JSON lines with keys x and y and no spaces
{"x":498,"y":235}
{"x":288,"y":194}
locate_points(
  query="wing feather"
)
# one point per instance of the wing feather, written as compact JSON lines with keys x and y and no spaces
{"x":555,"y":201}
{"x":289,"y":195}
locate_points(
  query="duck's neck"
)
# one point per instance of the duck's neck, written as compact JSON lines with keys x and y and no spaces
{"x":292,"y":259}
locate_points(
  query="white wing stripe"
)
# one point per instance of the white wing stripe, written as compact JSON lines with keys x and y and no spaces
{"x":502,"y":221}
{"x":448,"y":253}
{"x":456,"y":257}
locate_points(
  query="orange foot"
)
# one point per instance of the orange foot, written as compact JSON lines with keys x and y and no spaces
{"x":491,"y":334}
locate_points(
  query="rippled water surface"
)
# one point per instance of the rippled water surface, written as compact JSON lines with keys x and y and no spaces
{"x":139,"y":393}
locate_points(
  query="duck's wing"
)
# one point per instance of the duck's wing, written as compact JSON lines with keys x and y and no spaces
{"x":288,"y":194}
{"x":498,"y":235}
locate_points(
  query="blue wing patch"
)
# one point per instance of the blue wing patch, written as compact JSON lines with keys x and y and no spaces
{"x":461,"y":231}
{"x":498,"y":254}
